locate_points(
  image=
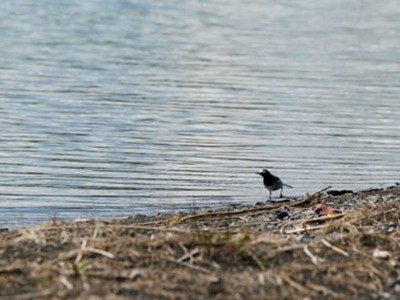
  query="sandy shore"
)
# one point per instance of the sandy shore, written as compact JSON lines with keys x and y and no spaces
{"x":330,"y":244}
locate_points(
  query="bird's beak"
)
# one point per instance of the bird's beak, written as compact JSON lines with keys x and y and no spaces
{"x":259,"y":173}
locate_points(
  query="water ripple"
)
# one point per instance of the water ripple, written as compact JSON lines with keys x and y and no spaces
{"x":143,"y":106}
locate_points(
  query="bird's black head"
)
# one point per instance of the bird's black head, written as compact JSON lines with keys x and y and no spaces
{"x":264,"y":172}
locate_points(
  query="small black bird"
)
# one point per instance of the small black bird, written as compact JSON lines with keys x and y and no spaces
{"x":272,"y":183}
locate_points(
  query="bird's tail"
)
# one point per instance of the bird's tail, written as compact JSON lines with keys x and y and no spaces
{"x":289,"y":186}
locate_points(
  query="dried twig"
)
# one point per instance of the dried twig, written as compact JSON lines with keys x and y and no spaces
{"x":314,"y":259}
{"x":80,"y":252}
{"x":305,"y":229}
{"x":324,"y":290}
{"x":188,"y":255}
{"x":310,"y":198}
{"x":228,"y":213}
{"x":66,"y":282}
{"x":378,"y":214}
{"x":193,"y":267}
{"x":138,"y":227}
{"x":295,"y":284}
{"x":34,"y":295}
{"x":319,"y":219}
{"x":11,"y":268}
{"x":323,"y":219}
{"x":256,"y":260}
{"x":98,"y":251}
{"x":334,"y":248}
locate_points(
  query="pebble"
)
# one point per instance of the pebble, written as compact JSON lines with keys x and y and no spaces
{"x":281,"y":214}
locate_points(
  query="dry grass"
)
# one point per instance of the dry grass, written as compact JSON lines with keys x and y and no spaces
{"x":246,"y":253}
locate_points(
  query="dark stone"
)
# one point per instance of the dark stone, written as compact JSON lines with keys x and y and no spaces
{"x":372,"y":190}
{"x":339,"y":192}
{"x":281,"y":214}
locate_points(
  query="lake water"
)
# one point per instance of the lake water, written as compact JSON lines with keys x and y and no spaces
{"x":114,"y":108}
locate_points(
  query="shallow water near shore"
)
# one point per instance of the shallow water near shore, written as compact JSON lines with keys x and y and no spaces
{"x":111,"y":109}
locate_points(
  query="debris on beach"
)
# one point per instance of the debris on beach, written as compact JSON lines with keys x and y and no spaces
{"x":348,"y":248}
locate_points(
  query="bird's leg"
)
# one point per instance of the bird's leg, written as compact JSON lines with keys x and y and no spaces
{"x":281,"y":192}
{"x":270,"y":195}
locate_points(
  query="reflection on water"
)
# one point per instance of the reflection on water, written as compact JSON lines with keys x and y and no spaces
{"x":109,"y":109}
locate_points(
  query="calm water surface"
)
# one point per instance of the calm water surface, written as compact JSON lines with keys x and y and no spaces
{"x":112,"y":108}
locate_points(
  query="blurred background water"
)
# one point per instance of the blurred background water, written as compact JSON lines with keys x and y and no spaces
{"x":113,"y":108}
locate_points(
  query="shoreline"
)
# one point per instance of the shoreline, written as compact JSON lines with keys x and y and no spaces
{"x":333,"y":244}
{"x":166,"y":214}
